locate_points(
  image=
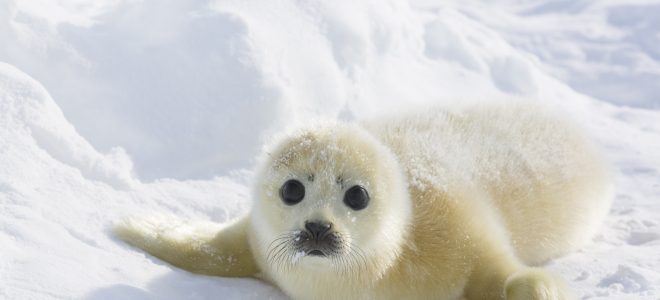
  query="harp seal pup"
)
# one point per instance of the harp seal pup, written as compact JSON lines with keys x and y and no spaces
{"x":434,"y":204}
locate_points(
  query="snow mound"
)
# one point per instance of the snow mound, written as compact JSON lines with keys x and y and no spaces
{"x":58,"y":196}
{"x":27,"y":110}
{"x":172,"y":85}
{"x":605,"y":49}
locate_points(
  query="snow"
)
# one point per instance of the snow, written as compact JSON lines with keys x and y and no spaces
{"x":116,"y":108}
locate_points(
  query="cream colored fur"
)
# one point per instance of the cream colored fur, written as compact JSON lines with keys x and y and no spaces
{"x":464,"y":205}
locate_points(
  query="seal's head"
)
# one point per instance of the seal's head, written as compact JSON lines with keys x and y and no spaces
{"x":330,"y":199}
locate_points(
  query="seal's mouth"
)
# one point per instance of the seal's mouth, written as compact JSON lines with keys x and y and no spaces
{"x":316,"y":252}
{"x":326,"y":245}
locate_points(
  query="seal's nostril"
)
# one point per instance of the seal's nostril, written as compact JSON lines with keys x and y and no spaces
{"x":318,"y":228}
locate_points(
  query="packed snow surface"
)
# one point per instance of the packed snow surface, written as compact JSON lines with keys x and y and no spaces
{"x":115,"y":108}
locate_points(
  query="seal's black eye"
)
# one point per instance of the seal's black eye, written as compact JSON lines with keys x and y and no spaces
{"x":292,"y":192}
{"x":356,"y":198}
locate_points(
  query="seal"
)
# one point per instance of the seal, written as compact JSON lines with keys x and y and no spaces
{"x":435,"y":204}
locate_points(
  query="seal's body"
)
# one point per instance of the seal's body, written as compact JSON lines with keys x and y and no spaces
{"x":430,"y":205}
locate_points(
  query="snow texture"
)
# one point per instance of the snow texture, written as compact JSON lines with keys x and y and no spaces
{"x":114,"y":108}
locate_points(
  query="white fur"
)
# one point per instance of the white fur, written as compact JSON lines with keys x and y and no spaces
{"x":463,"y":204}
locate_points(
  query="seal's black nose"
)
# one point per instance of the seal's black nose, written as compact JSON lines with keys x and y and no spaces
{"x":318,"y":229}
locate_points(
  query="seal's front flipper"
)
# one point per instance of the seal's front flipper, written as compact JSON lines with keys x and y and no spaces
{"x":207,"y":249}
{"x":536,"y":284}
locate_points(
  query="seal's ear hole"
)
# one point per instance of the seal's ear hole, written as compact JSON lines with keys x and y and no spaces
{"x":292,"y":192}
{"x":356,"y":197}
